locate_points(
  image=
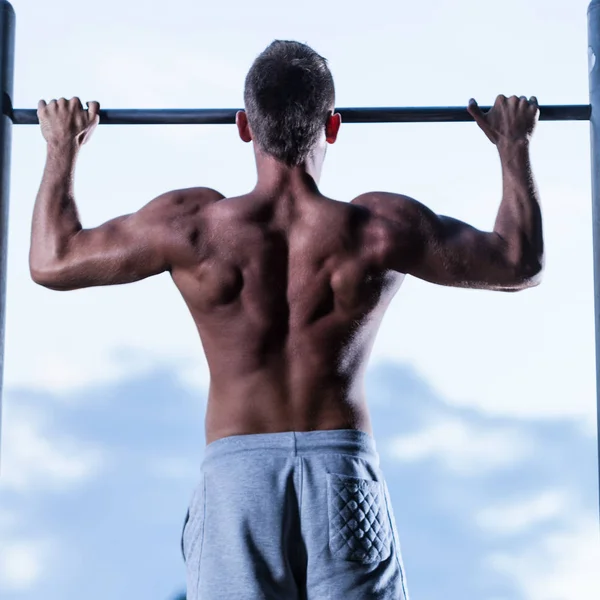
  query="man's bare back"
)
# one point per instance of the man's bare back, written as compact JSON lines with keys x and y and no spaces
{"x":287,"y":293}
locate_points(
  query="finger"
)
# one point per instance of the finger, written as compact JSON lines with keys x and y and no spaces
{"x":534,"y":106}
{"x":523,"y":103}
{"x":476,"y":112}
{"x":480,"y":118}
{"x":42,"y":104}
{"x":62,"y":102}
{"x":93,"y":109}
{"x":75,"y":102}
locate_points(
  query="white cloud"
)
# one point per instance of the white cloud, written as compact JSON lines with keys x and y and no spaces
{"x":23,"y":563}
{"x":513,"y":518}
{"x":562,"y":565}
{"x":72,"y":370}
{"x":60,"y":373}
{"x":194,"y":375}
{"x":9,"y":519}
{"x":37,"y":457}
{"x":464,"y":448}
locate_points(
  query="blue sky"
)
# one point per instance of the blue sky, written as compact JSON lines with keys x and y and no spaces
{"x":483,"y":404}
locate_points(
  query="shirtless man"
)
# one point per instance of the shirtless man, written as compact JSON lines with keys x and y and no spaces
{"x":287,"y":289}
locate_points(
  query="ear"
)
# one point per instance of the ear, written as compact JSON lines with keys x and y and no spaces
{"x":241,"y":120}
{"x":332,"y":127}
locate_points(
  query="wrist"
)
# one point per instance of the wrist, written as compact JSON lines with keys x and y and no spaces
{"x":512,"y":146}
{"x":62,"y":147}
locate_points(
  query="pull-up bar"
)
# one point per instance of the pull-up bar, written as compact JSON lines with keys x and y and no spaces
{"x":226,"y":116}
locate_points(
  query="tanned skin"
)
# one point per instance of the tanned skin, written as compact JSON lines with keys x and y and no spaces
{"x":287,"y":287}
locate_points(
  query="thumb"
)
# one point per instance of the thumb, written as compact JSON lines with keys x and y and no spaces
{"x":474,"y":110}
{"x":481,"y":120}
{"x":94,"y":111}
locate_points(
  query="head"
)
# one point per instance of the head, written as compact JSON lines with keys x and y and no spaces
{"x":289,"y":97}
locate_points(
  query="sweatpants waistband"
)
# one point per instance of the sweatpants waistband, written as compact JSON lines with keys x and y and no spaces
{"x":297,"y":443}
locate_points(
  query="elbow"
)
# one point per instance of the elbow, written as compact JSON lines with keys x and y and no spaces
{"x":528,"y":274}
{"x":47,"y":277}
{"x":40,"y":266}
{"x":532,"y":269}
{"x":40,"y":277}
{"x":529,"y":281}
{"x":38,"y":274}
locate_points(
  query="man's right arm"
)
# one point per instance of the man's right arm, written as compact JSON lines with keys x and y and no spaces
{"x":449,"y":252}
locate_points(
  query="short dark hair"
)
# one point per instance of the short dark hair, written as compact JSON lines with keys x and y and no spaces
{"x":289,"y":94}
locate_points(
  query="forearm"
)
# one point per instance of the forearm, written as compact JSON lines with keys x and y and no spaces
{"x":55,"y":216}
{"x":519,"y":220}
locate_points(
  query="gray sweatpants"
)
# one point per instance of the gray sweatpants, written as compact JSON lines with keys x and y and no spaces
{"x":292,"y":516}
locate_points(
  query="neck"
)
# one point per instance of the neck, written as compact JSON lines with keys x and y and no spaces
{"x":275,"y":176}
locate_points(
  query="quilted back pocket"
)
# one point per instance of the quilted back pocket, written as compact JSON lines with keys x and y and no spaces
{"x":359,"y":526}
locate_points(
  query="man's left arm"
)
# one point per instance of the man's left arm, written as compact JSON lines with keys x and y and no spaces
{"x":63,"y":255}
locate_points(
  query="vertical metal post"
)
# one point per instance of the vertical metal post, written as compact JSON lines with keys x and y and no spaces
{"x":594,"y":69}
{"x":7,"y":57}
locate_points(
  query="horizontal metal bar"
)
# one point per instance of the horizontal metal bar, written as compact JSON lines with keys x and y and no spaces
{"x":226,"y":116}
